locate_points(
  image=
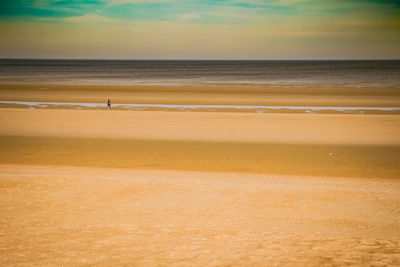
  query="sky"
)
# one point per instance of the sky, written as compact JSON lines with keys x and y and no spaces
{"x":200,"y":29}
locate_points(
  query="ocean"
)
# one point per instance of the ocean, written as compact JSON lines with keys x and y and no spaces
{"x":323,"y":73}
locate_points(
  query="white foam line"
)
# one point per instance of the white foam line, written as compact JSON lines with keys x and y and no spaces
{"x":97,"y":105}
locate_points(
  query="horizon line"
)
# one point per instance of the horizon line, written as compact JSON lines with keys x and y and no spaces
{"x":194,"y":59}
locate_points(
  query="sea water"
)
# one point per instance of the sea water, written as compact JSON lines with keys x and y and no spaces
{"x":322,"y":73}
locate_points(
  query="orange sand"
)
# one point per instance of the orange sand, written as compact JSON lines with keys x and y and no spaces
{"x":70,"y":216}
{"x":208,"y":189}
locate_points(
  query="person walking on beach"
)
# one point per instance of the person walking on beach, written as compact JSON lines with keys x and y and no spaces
{"x":109,"y":104}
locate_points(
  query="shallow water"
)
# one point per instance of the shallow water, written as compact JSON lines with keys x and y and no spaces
{"x":250,"y":108}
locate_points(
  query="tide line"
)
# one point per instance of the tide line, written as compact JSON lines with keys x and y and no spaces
{"x":75,"y":105}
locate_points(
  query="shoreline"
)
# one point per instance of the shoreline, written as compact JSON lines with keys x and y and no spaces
{"x":242,"y":96}
{"x":203,"y":108}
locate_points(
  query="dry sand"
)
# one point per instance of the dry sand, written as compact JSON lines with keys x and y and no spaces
{"x":208,"y":189}
{"x":350,"y":129}
{"x":69,"y":215}
{"x":308,"y":144}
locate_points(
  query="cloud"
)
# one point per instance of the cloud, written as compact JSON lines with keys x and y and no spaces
{"x":288,"y":2}
{"x":122,"y":2}
{"x":189,"y":16}
{"x":136,"y":1}
{"x":271,"y":3}
{"x":201,"y":29}
{"x":311,"y":37}
{"x":90,"y":18}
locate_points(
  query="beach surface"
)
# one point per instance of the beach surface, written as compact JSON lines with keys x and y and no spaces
{"x":156,"y":188}
{"x":75,"y":215}
{"x":222,"y":95}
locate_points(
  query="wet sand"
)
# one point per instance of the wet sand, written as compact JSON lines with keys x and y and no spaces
{"x":348,"y":97}
{"x":203,"y":108}
{"x":149,"y":188}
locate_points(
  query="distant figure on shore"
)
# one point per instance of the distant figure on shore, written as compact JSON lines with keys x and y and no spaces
{"x":109,"y":104}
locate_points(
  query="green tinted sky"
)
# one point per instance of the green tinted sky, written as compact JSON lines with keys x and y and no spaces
{"x":201,"y":29}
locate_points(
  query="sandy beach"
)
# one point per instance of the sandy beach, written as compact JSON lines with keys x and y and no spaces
{"x":68,"y":215}
{"x":280,"y":96}
{"x":200,"y":133}
{"x":156,"y":188}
